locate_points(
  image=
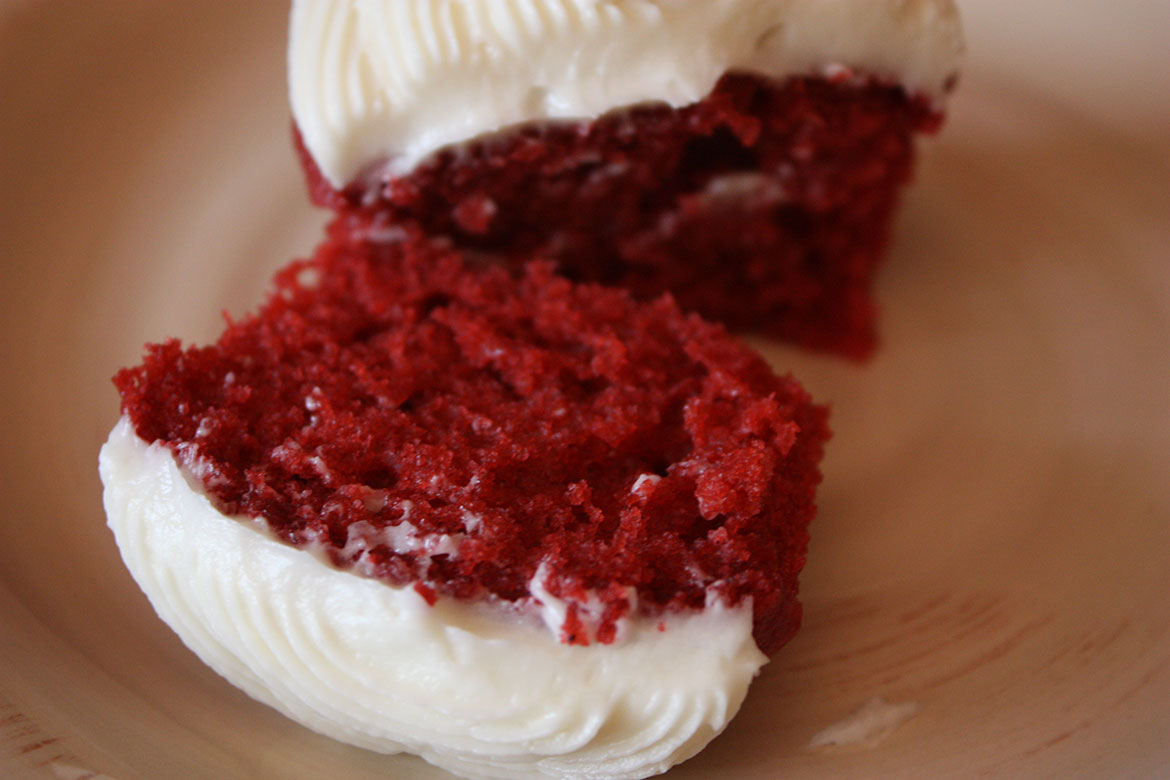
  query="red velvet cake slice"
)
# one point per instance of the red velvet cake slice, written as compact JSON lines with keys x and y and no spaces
{"x":452,"y":490}
{"x":515,"y":524}
{"x":745,"y":156}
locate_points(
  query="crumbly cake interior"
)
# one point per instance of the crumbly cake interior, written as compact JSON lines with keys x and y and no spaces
{"x":424,"y":418}
{"x":765,"y":206}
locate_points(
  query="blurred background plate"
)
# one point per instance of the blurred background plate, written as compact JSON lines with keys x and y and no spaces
{"x":993,"y":549}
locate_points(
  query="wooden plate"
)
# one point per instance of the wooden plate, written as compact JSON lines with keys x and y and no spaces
{"x":993,"y":552}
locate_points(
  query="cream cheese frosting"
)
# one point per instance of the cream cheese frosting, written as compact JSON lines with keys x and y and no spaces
{"x":481,"y":692}
{"x":381,"y":84}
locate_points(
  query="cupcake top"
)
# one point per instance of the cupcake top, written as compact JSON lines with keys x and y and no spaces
{"x":556,"y":449}
{"x":377,"y":85}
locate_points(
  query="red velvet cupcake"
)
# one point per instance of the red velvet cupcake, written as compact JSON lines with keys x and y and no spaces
{"x":747,"y":158}
{"x":407,"y":463}
{"x":477,"y":482}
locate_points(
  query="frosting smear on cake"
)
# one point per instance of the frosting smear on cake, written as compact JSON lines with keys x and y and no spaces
{"x":377,"y":85}
{"x":482,"y":693}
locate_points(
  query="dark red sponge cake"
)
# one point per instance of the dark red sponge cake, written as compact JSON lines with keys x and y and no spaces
{"x":480,"y":481}
{"x":523,"y":421}
{"x":766,"y":205}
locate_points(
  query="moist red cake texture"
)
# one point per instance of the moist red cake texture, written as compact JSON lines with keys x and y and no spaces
{"x":393,"y":382}
{"x":765,"y":206}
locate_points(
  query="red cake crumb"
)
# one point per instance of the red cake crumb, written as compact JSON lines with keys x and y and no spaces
{"x":765,"y":206}
{"x":395,"y":381}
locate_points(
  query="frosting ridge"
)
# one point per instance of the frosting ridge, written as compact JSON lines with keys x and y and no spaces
{"x":387,"y":82}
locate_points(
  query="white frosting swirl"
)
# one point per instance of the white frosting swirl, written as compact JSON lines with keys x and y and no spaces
{"x":479,"y":693}
{"x":391,"y":81}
